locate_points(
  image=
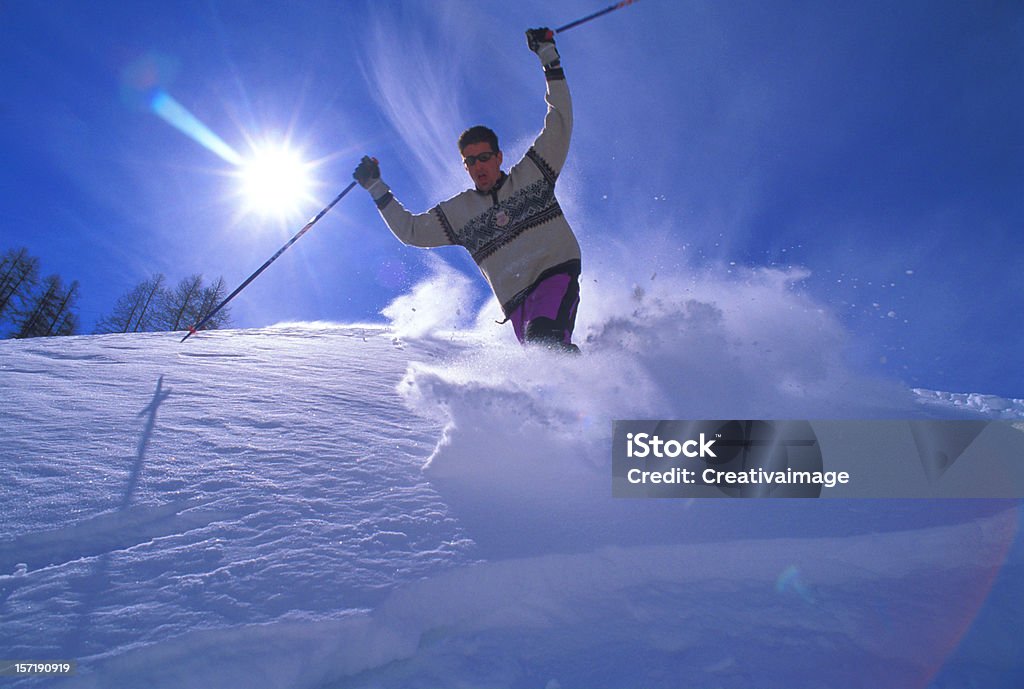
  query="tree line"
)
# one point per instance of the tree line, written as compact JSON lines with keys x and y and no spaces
{"x":31,"y":306}
{"x":155,"y":305}
{"x":34,"y":306}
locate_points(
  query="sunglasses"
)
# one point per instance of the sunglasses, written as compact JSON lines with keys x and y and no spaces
{"x":470,"y":161}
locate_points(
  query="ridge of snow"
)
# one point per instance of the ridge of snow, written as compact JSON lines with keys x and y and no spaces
{"x":296,"y":504}
{"x":991,"y":406}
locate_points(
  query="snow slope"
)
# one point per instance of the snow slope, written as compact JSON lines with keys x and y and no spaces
{"x":314,"y":505}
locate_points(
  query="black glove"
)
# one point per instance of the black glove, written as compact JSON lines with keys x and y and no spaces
{"x":542,"y":42}
{"x":367,"y":172}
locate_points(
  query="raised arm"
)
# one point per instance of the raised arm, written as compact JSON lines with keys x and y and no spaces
{"x":552,"y":145}
{"x":415,"y":229}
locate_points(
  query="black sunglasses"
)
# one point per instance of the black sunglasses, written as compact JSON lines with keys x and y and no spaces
{"x":470,"y":161}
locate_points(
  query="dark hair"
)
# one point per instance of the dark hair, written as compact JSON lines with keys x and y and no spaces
{"x":478,"y":135}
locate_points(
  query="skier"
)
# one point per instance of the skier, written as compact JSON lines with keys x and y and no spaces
{"x":510,"y":223}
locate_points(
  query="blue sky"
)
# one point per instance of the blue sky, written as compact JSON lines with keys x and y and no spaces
{"x":876,"y":146}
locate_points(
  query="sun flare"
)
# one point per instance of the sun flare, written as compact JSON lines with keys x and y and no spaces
{"x":276,"y":181}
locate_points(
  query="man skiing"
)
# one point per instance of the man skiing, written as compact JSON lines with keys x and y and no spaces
{"x":510,"y":223}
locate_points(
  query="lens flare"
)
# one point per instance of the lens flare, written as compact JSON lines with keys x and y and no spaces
{"x":276,"y":181}
{"x":178,"y":116}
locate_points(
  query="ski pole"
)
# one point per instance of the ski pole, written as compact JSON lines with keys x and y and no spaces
{"x":304,"y":230}
{"x":595,"y":15}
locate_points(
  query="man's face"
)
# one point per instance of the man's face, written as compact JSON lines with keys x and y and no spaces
{"x":484,"y":173}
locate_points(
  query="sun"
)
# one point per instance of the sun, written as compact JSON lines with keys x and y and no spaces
{"x":276,"y":181}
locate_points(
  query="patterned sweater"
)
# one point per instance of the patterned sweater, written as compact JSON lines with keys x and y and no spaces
{"x":515,"y":232}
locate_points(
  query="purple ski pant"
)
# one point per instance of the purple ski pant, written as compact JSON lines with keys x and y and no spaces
{"x":548,"y":313}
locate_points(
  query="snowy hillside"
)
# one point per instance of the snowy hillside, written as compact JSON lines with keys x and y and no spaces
{"x":316,"y":506}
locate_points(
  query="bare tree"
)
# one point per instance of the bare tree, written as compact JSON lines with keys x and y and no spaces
{"x":67,"y":324}
{"x":48,"y":313}
{"x":212,"y":296}
{"x":137,"y":310}
{"x":153,"y":306}
{"x":19,"y":275}
{"x":182,"y":305}
{"x":64,"y":321}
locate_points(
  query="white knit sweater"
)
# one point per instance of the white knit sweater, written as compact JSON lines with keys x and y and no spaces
{"x":515,"y":232}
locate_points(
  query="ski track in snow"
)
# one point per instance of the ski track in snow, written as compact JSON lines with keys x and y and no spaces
{"x":326,"y":506}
